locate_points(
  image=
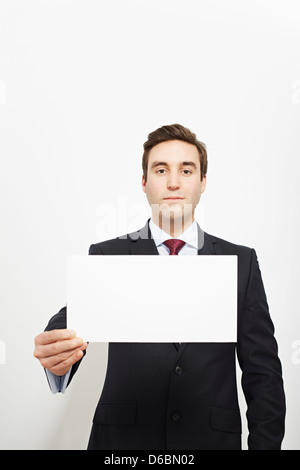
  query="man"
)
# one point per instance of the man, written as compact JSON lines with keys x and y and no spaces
{"x":167,"y":396}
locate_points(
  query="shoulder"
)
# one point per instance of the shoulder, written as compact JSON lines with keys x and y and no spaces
{"x":114,"y":245}
{"x":246,"y":257}
{"x":227,"y":247}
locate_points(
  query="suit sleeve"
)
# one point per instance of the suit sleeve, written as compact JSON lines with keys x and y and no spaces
{"x":261,"y":368}
{"x":59,"y":321}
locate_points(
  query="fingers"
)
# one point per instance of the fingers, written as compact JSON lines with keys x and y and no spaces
{"x":48,"y":337}
{"x":54,"y":349}
{"x":62,"y":368}
{"x":49,"y":362}
{"x":58,"y":350}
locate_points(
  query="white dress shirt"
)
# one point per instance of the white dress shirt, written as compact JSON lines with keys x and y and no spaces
{"x":189,"y":236}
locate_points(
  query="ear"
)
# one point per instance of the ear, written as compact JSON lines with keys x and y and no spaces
{"x":143,"y":184}
{"x":203,"y":184}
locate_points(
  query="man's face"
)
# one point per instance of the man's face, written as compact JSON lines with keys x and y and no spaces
{"x":173,"y":186}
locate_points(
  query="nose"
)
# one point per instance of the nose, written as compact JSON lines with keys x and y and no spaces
{"x":173,"y":182}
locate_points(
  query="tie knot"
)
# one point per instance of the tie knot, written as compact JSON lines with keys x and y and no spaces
{"x":174,"y":245}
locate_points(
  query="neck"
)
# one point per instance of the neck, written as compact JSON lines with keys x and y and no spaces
{"x":174,"y":227}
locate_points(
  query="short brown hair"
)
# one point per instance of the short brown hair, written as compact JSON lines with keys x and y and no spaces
{"x":174,"y":132}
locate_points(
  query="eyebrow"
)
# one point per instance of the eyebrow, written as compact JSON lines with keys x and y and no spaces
{"x":156,"y":164}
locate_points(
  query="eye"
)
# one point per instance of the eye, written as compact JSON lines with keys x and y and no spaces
{"x":161,"y":169}
{"x":188,"y":172}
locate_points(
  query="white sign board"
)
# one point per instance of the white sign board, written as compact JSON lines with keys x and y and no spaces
{"x":144,"y":298}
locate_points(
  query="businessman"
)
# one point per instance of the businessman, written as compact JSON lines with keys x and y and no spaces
{"x":179,"y":396}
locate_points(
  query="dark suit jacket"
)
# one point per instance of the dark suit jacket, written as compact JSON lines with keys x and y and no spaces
{"x":165,"y":396}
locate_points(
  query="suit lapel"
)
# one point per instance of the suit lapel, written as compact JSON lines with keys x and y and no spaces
{"x":142,"y":243}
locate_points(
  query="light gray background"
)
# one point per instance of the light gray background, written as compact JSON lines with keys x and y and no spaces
{"x":82,"y":83}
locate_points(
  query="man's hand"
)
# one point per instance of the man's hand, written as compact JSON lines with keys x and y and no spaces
{"x":58,"y":350}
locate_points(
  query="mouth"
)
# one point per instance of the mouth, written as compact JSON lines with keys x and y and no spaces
{"x":173,"y":198}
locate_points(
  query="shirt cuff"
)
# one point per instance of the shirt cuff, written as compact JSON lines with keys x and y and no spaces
{"x":58,"y":384}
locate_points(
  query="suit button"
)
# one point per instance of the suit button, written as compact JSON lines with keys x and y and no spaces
{"x":178,"y":370}
{"x":175,"y":416}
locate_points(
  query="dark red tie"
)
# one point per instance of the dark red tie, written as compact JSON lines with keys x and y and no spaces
{"x":174,"y":245}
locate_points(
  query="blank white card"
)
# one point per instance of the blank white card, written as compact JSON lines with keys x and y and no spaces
{"x":147,"y":298}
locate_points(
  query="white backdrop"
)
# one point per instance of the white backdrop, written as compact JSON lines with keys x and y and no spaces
{"x":82,"y":83}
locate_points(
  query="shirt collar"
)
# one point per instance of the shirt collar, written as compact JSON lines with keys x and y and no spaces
{"x":189,"y":236}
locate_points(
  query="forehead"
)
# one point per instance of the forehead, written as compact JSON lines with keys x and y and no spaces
{"x":174,"y":151}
